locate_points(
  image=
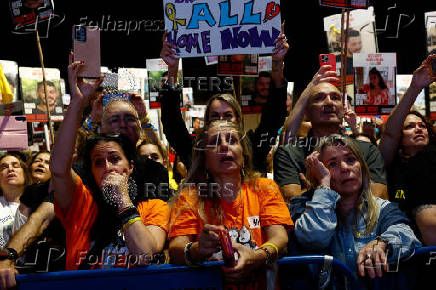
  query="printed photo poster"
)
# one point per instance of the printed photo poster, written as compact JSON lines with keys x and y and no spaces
{"x":10,"y":70}
{"x":27,"y":12}
{"x":157,"y":75}
{"x":238,"y":65}
{"x":353,"y":4}
{"x":403,"y":83}
{"x":188,"y":97}
{"x":194,"y":118}
{"x":32,"y":91}
{"x":131,"y":80}
{"x":361,"y":37}
{"x":255,"y":89}
{"x":202,"y":27}
{"x":374,"y":83}
{"x":430,"y":25}
{"x":210,"y":60}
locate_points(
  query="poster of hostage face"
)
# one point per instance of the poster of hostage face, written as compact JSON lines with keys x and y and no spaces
{"x":157,"y":76}
{"x":32,"y":91}
{"x":374,"y":83}
{"x":430,"y":25}
{"x":255,"y":89}
{"x":361,"y":37}
{"x":10,"y":69}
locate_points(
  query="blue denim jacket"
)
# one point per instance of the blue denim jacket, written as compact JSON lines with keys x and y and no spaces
{"x":316,"y":228}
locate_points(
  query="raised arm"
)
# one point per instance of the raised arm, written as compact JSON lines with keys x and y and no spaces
{"x":280,"y":51}
{"x":293,"y":122}
{"x":174,"y":126}
{"x":390,"y":140}
{"x":61,"y":159}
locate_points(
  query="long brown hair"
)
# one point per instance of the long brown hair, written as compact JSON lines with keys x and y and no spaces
{"x":231,"y":101}
{"x":365,"y":194}
{"x":198,"y":173}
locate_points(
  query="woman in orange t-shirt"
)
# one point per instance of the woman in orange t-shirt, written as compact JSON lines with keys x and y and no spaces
{"x":222,"y":192}
{"x":104,"y":227}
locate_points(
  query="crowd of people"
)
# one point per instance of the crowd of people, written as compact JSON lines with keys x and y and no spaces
{"x":108,"y":195}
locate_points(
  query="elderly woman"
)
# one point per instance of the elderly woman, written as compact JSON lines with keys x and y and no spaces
{"x":342,"y":217}
{"x":222,"y":192}
{"x":14,"y":177}
{"x":409,"y":152}
{"x":102,"y":218}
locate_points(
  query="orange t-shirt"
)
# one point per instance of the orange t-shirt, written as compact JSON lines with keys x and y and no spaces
{"x":257,"y":207}
{"x":82,"y":213}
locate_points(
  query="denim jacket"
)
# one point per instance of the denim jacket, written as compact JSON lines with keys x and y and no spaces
{"x":317,"y":229}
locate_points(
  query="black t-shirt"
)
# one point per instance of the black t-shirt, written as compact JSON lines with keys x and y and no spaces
{"x":290,"y":159}
{"x":422,"y":178}
{"x":398,"y":183}
{"x":47,"y":253}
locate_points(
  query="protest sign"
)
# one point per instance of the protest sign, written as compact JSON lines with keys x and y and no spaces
{"x":350,"y":4}
{"x":202,"y":28}
{"x":374,"y":82}
{"x":403,"y":83}
{"x":13,"y":133}
{"x":361,"y":37}
{"x":32,"y":90}
{"x":238,"y":65}
{"x":28,"y":12}
{"x":10,"y":70}
{"x":430,"y":25}
{"x":157,"y":76}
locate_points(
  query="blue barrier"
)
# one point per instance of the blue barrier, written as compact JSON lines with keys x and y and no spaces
{"x":164,"y":276}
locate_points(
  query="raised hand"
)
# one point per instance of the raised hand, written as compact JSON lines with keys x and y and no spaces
{"x":168,"y":53}
{"x":139,"y":105}
{"x":82,"y":90}
{"x":317,"y":169}
{"x":282,"y":46}
{"x":423,"y":76}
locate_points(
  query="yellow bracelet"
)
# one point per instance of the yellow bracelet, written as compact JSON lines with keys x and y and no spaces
{"x":131,"y":221}
{"x":273,"y":246}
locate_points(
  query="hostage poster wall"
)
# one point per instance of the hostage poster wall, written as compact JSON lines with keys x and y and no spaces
{"x":32,"y":91}
{"x":202,"y":28}
{"x":374,"y":83}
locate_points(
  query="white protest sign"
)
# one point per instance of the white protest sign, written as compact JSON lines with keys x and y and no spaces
{"x":202,"y":28}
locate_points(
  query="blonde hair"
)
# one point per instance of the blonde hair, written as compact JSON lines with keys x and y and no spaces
{"x":115,"y":101}
{"x":231,"y":101}
{"x":198,"y":172}
{"x":365,"y":196}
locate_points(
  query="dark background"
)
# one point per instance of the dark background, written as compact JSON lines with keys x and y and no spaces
{"x":404,"y":34}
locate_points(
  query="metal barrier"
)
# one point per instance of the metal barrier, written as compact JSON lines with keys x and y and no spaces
{"x":164,"y":276}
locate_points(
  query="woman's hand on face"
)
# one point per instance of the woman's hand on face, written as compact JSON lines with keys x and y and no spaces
{"x":209,"y":242}
{"x":81,"y":90}
{"x":115,"y":186}
{"x":317,"y":169}
{"x":423,"y":76}
{"x":372,"y":259}
{"x":248,"y":261}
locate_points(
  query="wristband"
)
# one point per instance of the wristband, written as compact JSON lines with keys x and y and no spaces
{"x":272,"y":246}
{"x":8,"y":254}
{"x":131,"y":221}
{"x":268,"y":255}
{"x":127,"y":214}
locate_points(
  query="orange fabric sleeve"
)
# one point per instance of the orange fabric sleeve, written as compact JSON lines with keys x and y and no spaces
{"x":184,"y":219}
{"x":273,"y":208}
{"x":154,"y":212}
{"x":77,"y":221}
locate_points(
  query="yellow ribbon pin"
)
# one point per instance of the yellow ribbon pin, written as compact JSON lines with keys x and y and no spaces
{"x":332,"y":28}
{"x":170,"y":11}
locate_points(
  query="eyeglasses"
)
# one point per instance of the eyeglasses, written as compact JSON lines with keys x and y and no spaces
{"x":128,"y":119}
